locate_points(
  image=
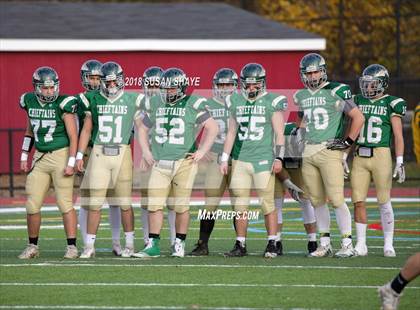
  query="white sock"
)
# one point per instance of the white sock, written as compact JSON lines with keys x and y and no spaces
{"x":129,"y":239}
{"x":308,"y":212}
{"x":272,"y":237}
{"x":83,"y":216}
{"x":278,"y":237}
{"x":278,"y":202}
{"x":387,"y":220}
{"x":171,"y":223}
{"x":115,"y":222}
{"x":241,"y":240}
{"x":312,"y":237}
{"x":343,"y":218}
{"x":322,"y":215}
{"x":90,"y":240}
{"x":145,"y":224}
{"x":361,"y":233}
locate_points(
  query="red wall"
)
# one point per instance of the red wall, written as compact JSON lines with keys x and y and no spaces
{"x":16,"y":76}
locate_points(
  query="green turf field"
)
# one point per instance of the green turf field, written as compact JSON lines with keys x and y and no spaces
{"x":288,"y":282}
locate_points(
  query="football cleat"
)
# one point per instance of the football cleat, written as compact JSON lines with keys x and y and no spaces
{"x":71,"y":252}
{"x":345,"y":251}
{"x":31,"y":251}
{"x":360,"y":250}
{"x":116,"y":249}
{"x":322,"y":251}
{"x":127,"y":252}
{"x":201,"y":249}
{"x":238,"y":250}
{"x":279,"y":247}
{"x":152,"y":249}
{"x":312,"y":246}
{"x":178,"y":248}
{"x":88,"y":252}
{"x":389,"y":298}
{"x":271,"y":249}
{"x":389,"y":252}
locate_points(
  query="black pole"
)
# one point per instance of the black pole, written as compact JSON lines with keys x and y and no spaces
{"x":11,"y":174}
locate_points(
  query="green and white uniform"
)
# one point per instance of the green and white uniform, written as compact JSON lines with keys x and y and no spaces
{"x":220,"y":114}
{"x":323,"y":111}
{"x":47,"y":120}
{"x":377,"y":130}
{"x":255,"y":136}
{"x":373,"y":159}
{"x":112,"y":119}
{"x":174,"y":126}
{"x":52,"y":151}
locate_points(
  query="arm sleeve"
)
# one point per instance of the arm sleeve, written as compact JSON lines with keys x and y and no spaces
{"x":398,"y":107}
{"x":69,"y":105}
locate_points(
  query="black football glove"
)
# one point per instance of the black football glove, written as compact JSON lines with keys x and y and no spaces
{"x":340,"y":144}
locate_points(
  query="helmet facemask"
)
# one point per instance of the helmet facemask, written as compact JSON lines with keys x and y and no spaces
{"x":222,"y":89}
{"x":115,"y":90}
{"x":259,"y":87}
{"x":87,"y":82}
{"x":173,"y":89}
{"x":46,"y":98}
{"x":313,"y":83}
{"x":371,"y":87}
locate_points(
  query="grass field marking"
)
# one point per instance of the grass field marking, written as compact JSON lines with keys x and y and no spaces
{"x":137,"y":307}
{"x":82,"y":264}
{"x":235,"y":285}
{"x":201,"y":202}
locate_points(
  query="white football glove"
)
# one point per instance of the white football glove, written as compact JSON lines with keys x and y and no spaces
{"x":345,"y":166}
{"x":294,"y":191}
{"x":399,"y":170}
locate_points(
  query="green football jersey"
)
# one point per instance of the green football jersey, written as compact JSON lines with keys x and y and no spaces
{"x":323,"y":110}
{"x":255,"y":135}
{"x":112,"y":118}
{"x":220,"y":114}
{"x":377,"y":129}
{"x":81,"y":112}
{"x":173,"y":128}
{"x":47,"y":120}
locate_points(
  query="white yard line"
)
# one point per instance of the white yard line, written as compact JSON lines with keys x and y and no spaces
{"x":136,"y":307}
{"x":87,"y":264}
{"x":224,"y":285}
{"x":199,"y":202}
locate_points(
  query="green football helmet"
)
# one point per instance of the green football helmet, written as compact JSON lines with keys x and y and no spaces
{"x":313,"y":62}
{"x":374,"y":81}
{"x":151,"y":81}
{"x":225,"y":83}
{"x":112,"y":72}
{"x":90,"y":67}
{"x":173,"y":85}
{"x":46,"y":77}
{"x":253,"y":74}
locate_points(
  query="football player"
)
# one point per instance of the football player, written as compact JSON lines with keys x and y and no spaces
{"x":225,"y":83}
{"x":391,"y":292}
{"x":322,"y":108}
{"x":173,"y":156}
{"x":110,"y":115}
{"x":290,"y":178}
{"x":255,"y":121}
{"x":372,"y":158}
{"x":90,"y":74}
{"x":52,"y":128}
{"x":151,"y":85}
